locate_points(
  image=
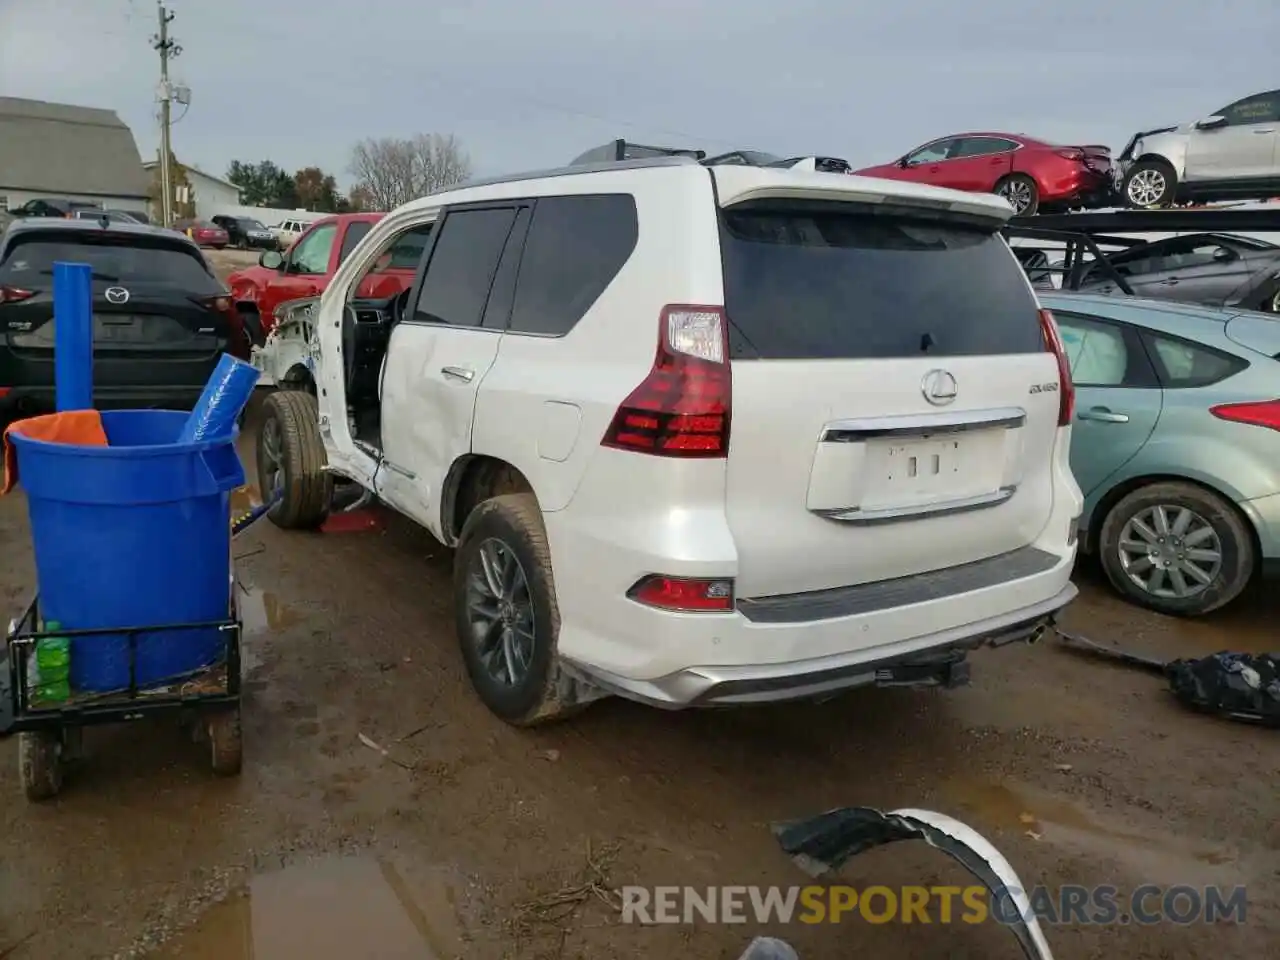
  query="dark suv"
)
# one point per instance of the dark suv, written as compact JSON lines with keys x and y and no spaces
{"x":51,"y":207}
{"x":161,"y":319}
{"x":246,"y":233}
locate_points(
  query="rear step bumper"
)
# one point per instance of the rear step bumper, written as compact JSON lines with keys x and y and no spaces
{"x":935,"y":660}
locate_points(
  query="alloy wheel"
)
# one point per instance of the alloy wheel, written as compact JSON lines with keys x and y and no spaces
{"x":1018,"y":194}
{"x":1170,"y":551}
{"x":1147,"y":187}
{"x":500,"y":613}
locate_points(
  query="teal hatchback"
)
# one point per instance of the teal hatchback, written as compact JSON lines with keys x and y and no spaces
{"x":1176,"y":445}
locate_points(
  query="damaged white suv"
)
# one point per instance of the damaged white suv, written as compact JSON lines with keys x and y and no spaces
{"x":701,"y":435}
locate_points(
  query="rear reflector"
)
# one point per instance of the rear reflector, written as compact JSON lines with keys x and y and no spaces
{"x":15,"y":294}
{"x":1259,"y":413}
{"x":4,"y":392}
{"x":681,"y":409}
{"x":1066,"y":389}
{"x":681,"y":594}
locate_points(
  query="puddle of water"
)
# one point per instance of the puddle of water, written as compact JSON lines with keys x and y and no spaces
{"x":1157,"y":857}
{"x":337,"y":908}
{"x":264,"y":612}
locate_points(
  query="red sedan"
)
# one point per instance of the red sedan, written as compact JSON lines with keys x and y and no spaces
{"x":205,"y":234}
{"x":1029,"y":173}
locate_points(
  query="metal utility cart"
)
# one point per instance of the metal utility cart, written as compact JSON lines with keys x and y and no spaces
{"x":49,"y":734}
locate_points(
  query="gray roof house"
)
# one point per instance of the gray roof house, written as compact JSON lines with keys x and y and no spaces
{"x":75,"y":153}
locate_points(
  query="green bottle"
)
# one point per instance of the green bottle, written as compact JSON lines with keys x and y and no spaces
{"x":52,"y":681}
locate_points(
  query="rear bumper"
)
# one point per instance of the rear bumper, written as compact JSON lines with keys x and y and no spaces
{"x":935,"y":659}
{"x":1264,"y":514}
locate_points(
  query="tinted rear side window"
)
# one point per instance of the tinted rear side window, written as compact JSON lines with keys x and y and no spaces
{"x":153,"y":263}
{"x":463,"y":262}
{"x":818,"y":283}
{"x":575,"y":248}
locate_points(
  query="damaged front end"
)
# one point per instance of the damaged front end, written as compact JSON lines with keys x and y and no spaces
{"x":822,"y":844}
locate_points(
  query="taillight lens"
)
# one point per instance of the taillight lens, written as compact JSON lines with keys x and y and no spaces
{"x":681,"y":409}
{"x":1070,"y":153}
{"x":1258,"y":413}
{"x":684,"y":594}
{"x":15,"y":294}
{"x":1066,"y":389}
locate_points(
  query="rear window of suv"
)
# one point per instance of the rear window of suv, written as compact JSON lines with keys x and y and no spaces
{"x":817,"y":282}
{"x":151,"y":262}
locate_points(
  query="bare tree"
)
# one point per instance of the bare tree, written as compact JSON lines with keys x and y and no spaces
{"x":392,"y":171}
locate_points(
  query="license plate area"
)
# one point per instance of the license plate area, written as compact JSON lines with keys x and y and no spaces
{"x":907,"y":473}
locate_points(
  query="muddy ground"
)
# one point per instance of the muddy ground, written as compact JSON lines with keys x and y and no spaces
{"x":471,"y":839}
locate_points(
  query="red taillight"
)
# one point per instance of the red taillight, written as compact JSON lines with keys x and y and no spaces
{"x":1258,"y":413}
{"x":681,"y":409}
{"x":4,"y":392}
{"x":683,"y":594}
{"x":1070,"y":153}
{"x":1066,"y":389}
{"x":15,"y":294}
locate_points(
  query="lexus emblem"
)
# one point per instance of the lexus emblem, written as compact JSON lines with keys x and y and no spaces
{"x":117,"y":295}
{"x":938,"y":387}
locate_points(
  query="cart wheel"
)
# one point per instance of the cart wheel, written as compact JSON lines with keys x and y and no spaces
{"x":226,"y":749}
{"x":40,"y":764}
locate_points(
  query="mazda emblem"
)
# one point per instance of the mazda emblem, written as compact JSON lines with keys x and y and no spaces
{"x":938,"y":387}
{"x":117,"y":295}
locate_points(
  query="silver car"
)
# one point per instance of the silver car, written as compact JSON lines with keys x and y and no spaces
{"x":1232,"y":154}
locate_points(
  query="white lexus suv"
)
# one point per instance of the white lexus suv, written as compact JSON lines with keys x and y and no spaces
{"x":700,"y":435}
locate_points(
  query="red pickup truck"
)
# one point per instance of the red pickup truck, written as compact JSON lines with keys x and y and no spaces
{"x":308,"y":266}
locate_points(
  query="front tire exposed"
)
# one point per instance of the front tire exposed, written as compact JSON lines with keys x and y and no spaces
{"x":1177,"y":548}
{"x":507,"y":619}
{"x":1149,"y":184}
{"x":291,"y":461}
{"x":1021,"y":193}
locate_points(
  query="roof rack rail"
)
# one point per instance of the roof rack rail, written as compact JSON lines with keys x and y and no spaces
{"x":620,"y":150}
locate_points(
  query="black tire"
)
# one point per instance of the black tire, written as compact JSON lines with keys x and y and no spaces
{"x":252,"y":321}
{"x":1230,"y":537}
{"x":542,"y":693}
{"x":226,"y":742}
{"x":40,"y":764}
{"x":1024,"y":188}
{"x":1153,"y":181}
{"x":293,"y":418}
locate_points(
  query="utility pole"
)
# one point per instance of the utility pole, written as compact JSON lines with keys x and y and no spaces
{"x":168,"y":49}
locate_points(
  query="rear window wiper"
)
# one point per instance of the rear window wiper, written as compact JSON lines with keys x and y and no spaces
{"x":104,"y":277}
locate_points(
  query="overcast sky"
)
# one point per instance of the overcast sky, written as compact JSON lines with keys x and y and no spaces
{"x":532,"y":83}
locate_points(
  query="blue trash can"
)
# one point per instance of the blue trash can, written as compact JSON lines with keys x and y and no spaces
{"x":133,"y":534}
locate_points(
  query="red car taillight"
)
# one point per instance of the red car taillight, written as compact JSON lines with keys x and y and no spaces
{"x":1070,"y":153}
{"x":683,"y":594}
{"x":1066,"y":389}
{"x":15,"y":294}
{"x":681,"y":409}
{"x":1257,"y":413}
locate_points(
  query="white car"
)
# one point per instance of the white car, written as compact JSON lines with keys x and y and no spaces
{"x":701,"y":435}
{"x":287,"y":231}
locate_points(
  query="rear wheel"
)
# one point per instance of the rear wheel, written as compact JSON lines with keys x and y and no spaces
{"x":1177,"y":548}
{"x":291,"y":461}
{"x":507,"y":619}
{"x":1149,"y":183}
{"x":1021,"y":192}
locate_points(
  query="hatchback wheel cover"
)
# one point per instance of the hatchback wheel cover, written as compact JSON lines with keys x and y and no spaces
{"x":1170,"y":552}
{"x":500,"y":613}
{"x":1147,"y":187}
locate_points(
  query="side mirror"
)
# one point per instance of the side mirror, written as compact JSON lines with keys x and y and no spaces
{"x":383,"y":263}
{"x":1211,"y":123}
{"x":1223,"y":255}
{"x":905,"y":163}
{"x":271,"y":260}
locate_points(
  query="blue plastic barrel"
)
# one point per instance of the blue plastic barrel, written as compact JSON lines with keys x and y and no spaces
{"x":133,"y":534}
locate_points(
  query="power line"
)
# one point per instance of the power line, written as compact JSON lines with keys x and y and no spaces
{"x":168,"y":50}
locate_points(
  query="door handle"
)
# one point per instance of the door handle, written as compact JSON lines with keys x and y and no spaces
{"x":1268,"y":130}
{"x":461,"y":374}
{"x":1171,"y":282}
{"x":1103,"y":415}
